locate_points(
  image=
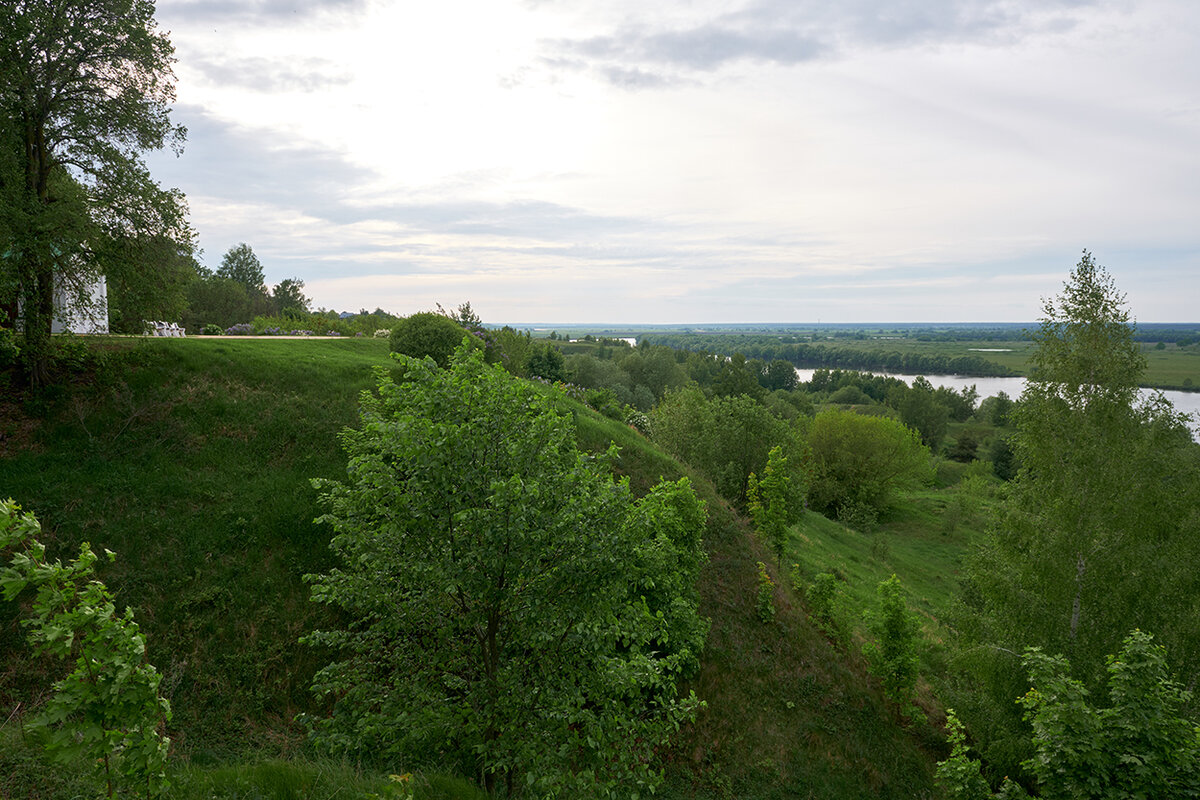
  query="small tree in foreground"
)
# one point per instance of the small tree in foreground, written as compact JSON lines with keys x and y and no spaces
{"x":769,"y":501}
{"x":514,"y":613}
{"x":107,"y":711}
{"x":1139,"y":746}
{"x":893,"y":654}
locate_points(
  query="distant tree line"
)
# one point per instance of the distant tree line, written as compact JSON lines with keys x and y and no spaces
{"x":816,"y":354}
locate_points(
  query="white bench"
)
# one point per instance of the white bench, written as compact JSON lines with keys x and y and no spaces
{"x":159,"y":328}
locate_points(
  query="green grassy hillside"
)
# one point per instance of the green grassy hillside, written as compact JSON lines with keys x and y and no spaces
{"x":191,"y":460}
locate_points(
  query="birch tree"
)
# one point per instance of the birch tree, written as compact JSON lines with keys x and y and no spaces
{"x":1101,"y":531}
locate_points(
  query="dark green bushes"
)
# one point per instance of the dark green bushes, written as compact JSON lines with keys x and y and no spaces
{"x":427,"y":333}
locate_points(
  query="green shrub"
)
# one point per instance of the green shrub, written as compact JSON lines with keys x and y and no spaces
{"x":1138,"y":747}
{"x":824,"y":603}
{"x":850,"y":395}
{"x":107,"y":711}
{"x":858,"y":515}
{"x":429,"y":334}
{"x":959,"y":774}
{"x":769,"y":498}
{"x":797,"y":578}
{"x":487,"y":561}
{"x":863,"y":459}
{"x":10,"y":351}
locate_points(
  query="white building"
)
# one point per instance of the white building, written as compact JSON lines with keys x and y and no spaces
{"x":72,"y":316}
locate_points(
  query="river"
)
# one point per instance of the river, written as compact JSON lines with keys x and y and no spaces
{"x":1187,"y":402}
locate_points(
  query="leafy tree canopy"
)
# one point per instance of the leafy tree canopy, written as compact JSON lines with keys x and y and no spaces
{"x":85,"y":90}
{"x":1101,"y":517}
{"x":1140,"y":745}
{"x":859,"y":459}
{"x":728,"y":439}
{"x":514,"y":613}
{"x":288,"y":295}
{"x":427,"y":333}
{"x":241,"y":265}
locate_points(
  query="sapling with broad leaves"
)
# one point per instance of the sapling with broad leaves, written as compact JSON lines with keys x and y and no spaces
{"x":107,"y":711}
{"x":893,"y":653}
{"x":768,"y":497}
{"x":1138,"y":746}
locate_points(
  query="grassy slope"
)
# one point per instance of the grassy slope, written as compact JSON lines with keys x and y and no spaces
{"x":788,"y":714}
{"x":194,"y":468}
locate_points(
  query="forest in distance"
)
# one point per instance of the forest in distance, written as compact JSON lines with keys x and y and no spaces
{"x":968,"y":349}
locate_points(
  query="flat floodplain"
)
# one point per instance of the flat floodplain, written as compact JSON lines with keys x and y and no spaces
{"x":1170,"y":368}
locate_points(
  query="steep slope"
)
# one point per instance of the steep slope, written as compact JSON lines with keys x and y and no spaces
{"x":192,"y":461}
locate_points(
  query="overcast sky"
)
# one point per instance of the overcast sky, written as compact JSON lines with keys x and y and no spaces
{"x":696,"y":160}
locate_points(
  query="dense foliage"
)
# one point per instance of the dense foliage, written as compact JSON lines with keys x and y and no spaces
{"x":862,"y":461}
{"x":892,"y":653}
{"x":1139,"y":746}
{"x":821,"y":354}
{"x":514,"y":612}
{"x":427,"y":333}
{"x":769,"y":499}
{"x":729,"y":439}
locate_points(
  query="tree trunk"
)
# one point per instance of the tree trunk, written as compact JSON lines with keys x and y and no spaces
{"x":37,"y":297}
{"x":36,"y":270}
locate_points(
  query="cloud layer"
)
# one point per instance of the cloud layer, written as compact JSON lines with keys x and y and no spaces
{"x":696,"y":161}
{"x":791,"y":32}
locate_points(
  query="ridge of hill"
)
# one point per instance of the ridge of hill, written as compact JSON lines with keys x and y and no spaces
{"x":191,"y":460}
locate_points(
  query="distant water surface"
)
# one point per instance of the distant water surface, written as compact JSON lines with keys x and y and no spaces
{"x":1187,"y":402}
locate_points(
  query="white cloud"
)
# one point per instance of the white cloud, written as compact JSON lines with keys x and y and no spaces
{"x":698,"y":161}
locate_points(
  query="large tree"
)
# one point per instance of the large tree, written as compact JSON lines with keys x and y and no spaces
{"x":150,"y":281}
{"x":240,"y":264}
{"x":288,"y":296}
{"x":1101,"y":532}
{"x":85,"y":90}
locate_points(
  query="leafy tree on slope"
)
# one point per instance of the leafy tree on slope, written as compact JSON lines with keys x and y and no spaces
{"x":1101,"y":530}
{"x":513,"y":613}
